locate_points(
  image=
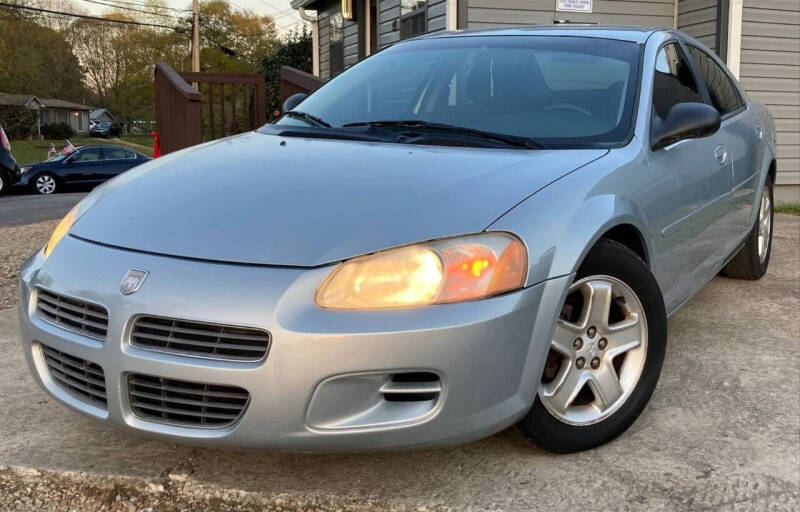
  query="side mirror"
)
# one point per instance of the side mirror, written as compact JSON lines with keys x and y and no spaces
{"x":293,"y":100}
{"x":684,"y":121}
{"x":70,"y":159}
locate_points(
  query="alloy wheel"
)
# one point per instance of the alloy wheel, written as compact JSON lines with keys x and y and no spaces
{"x":45,"y":184}
{"x":598,"y":352}
{"x":764,"y":225}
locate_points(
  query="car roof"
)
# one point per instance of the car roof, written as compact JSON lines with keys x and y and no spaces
{"x":621,"y":32}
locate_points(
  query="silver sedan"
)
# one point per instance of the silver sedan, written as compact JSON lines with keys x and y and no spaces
{"x":461,"y":233}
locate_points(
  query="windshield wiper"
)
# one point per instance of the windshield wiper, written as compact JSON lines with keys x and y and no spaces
{"x":308,"y":117}
{"x":513,"y":140}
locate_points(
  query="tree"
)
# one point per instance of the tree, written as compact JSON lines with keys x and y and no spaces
{"x":38,"y":60}
{"x":293,"y":50}
{"x":247,"y":35}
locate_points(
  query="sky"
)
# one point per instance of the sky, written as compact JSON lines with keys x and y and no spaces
{"x":285,"y":17}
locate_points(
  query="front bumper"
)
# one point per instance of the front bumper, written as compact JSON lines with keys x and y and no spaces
{"x":489,"y":354}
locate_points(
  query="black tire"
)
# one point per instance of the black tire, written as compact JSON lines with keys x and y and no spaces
{"x":35,"y":184}
{"x":747,"y":263}
{"x":5,"y":182}
{"x":609,"y":258}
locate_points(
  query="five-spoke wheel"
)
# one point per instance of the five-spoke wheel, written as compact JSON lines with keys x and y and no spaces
{"x":597,"y":353}
{"x":605,"y":355}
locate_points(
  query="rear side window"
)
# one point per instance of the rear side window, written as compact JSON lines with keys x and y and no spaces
{"x":722,"y":91}
{"x":673,"y":82}
{"x":117,"y":154}
{"x":89,"y":155}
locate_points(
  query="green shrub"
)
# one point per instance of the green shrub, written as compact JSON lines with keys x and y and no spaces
{"x":294,"y":50}
{"x":18,"y":122}
{"x":57,"y":131}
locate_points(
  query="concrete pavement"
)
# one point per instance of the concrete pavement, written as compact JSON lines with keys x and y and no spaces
{"x":721,"y":432}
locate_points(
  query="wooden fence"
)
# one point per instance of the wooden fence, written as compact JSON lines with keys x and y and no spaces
{"x":293,"y":81}
{"x":223,"y":104}
{"x":177,"y":110}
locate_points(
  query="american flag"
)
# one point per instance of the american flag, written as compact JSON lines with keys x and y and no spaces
{"x":68,"y":148}
{"x":4,"y":140}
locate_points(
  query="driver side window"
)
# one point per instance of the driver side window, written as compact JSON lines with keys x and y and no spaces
{"x":673,"y":82}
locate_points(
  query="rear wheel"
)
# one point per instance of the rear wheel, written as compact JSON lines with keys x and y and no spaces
{"x":45,"y":184}
{"x":606,"y":354}
{"x":752,"y":260}
{"x":5,"y":182}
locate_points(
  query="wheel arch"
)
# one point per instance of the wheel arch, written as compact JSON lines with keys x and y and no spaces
{"x":559,"y":243}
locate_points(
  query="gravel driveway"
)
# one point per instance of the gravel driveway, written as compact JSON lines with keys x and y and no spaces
{"x":721,"y":433}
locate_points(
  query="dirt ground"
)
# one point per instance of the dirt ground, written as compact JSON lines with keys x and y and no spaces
{"x":16,"y":244}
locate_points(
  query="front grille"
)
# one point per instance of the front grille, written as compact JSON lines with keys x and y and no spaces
{"x":190,"y":404}
{"x":72,"y":314}
{"x":80,"y":378}
{"x":200,"y":339}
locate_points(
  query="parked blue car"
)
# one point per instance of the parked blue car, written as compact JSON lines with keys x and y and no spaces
{"x":87,"y":166}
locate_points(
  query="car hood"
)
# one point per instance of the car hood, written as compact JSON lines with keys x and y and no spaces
{"x":271,"y":200}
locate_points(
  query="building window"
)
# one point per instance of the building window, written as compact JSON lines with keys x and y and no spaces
{"x":413,"y":21}
{"x":336,"y":43}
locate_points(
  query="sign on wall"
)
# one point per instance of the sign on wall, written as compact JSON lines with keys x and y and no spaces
{"x":574,"y":5}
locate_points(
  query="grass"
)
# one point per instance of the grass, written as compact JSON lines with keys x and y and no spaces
{"x":32,"y":151}
{"x":790,"y":208}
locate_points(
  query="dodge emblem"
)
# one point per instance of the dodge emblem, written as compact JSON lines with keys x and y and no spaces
{"x":132,"y":281}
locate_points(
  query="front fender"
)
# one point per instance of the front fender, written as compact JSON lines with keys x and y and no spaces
{"x":562,"y":222}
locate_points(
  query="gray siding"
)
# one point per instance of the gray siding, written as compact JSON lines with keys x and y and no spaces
{"x":388,"y":11}
{"x":437,"y":15}
{"x":324,"y":40}
{"x":770,"y":72}
{"x":493,"y":13}
{"x":698,"y":18}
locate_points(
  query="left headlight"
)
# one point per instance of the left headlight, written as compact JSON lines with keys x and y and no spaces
{"x":24,"y":169}
{"x":439,"y":272}
{"x":61,"y":230}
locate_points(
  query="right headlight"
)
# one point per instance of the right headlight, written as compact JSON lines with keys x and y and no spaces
{"x":443,"y":271}
{"x":24,"y":169}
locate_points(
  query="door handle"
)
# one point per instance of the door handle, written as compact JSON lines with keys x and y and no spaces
{"x":759,"y":132}
{"x":721,"y":154}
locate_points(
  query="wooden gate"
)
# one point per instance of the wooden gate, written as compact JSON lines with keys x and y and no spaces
{"x":223,"y":104}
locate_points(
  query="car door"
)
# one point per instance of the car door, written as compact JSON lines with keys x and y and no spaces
{"x":116,"y":160}
{"x":83,"y":167}
{"x":696,"y":185}
{"x":742,"y":134}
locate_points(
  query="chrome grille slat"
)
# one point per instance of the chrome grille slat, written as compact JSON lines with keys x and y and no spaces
{"x":65,"y":304}
{"x":72,"y":314}
{"x":82,"y":379}
{"x":183,"y":403}
{"x":172,"y":387}
{"x":198,"y":339}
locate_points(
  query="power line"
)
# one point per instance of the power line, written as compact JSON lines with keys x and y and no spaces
{"x":86,"y":17}
{"x":131,"y":9}
{"x":139,"y":4}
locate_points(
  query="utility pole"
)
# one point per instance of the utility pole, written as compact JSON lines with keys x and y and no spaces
{"x":195,"y":36}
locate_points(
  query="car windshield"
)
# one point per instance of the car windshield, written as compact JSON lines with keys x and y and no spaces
{"x":104,"y":124}
{"x":558,"y":91}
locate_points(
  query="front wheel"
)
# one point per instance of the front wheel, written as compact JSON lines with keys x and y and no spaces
{"x":45,"y":184}
{"x":5,"y":183}
{"x":605,"y":356}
